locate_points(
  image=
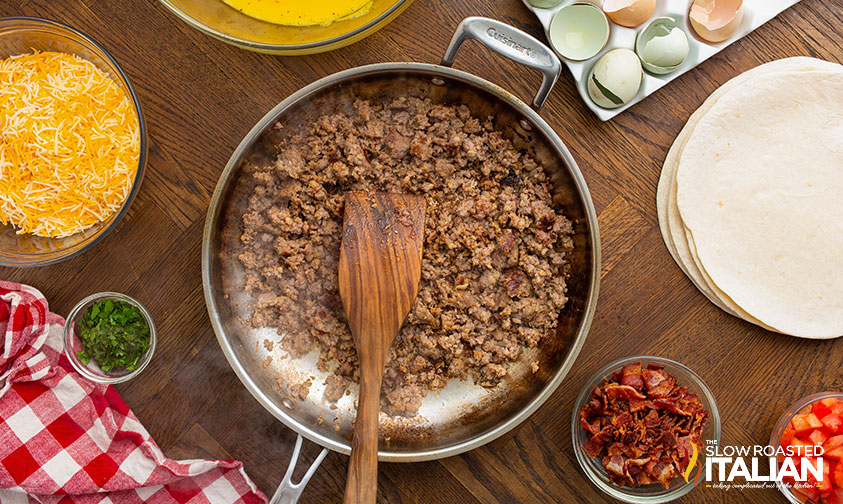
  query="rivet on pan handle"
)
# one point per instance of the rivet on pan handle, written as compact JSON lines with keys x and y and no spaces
{"x":289,"y":492}
{"x":512,"y":43}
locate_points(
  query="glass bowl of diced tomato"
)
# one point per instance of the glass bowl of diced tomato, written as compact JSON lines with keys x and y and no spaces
{"x":812,"y":422}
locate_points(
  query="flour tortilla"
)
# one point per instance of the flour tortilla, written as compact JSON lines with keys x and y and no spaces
{"x":670,"y":222}
{"x":759,"y":188}
{"x":676,"y":237}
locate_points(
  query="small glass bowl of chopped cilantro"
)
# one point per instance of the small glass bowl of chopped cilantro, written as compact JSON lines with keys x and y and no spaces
{"x":109,"y":337}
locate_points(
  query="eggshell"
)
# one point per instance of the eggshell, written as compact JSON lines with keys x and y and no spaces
{"x":667,"y":51}
{"x":662,"y":46}
{"x":629,"y":13}
{"x":578,"y":31}
{"x":716,"y":20}
{"x":544,"y":4}
{"x":617,"y":72}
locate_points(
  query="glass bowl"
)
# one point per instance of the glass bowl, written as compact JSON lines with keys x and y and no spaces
{"x":72,"y":344}
{"x":784,"y":420}
{"x":219,"y":20}
{"x":22,"y":35}
{"x":650,"y":493}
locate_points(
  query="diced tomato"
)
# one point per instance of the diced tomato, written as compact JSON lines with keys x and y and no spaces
{"x":823,"y":407}
{"x":818,"y":436}
{"x":822,"y":484}
{"x":833,"y":422}
{"x":837,"y":476}
{"x":819,"y":424}
{"x":836,"y":454}
{"x":787,"y":436}
{"x":825,"y":484}
{"x":804,"y":423}
{"x":833,"y":497}
{"x":801,"y":497}
{"x":804,"y":493}
{"x":822,"y":487}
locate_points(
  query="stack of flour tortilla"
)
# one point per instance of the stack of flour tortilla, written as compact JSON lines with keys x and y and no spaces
{"x":750,"y":198}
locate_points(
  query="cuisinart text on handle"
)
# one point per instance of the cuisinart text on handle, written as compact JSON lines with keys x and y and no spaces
{"x":503,"y":39}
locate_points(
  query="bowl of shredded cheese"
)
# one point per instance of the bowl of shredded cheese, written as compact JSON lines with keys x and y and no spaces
{"x":73,"y":144}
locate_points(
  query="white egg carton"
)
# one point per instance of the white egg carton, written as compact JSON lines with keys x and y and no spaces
{"x":755,"y":14}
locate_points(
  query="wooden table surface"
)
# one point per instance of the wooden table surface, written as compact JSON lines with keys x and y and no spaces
{"x":200,"y":97}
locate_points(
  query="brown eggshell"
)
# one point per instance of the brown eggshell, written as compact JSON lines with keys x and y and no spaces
{"x":716,"y":20}
{"x":629,"y":13}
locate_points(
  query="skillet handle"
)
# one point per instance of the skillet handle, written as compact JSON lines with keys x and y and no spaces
{"x":512,"y":43}
{"x":289,"y":492}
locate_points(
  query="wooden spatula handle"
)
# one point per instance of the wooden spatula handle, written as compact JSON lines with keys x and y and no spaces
{"x":361,"y":486}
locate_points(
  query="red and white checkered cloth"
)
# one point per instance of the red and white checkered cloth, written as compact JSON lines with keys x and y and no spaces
{"x":65,"y":439}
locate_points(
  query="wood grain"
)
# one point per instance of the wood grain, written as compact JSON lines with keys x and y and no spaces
{"x":379,"y":274}
{"x":201,"y":96}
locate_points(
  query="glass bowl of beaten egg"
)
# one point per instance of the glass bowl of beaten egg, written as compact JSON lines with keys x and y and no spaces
{"x":288,"y":27}
{"x":24,"y":36}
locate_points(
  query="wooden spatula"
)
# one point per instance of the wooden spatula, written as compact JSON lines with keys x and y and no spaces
{"x":380,"y":269}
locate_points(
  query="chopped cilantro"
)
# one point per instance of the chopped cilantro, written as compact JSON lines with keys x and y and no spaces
{"x":114,"y":334}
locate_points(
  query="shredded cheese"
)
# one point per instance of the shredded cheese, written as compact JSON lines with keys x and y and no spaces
{"x":69,"y":144}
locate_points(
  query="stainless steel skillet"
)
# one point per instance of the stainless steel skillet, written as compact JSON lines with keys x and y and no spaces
{"x":461,"y":416}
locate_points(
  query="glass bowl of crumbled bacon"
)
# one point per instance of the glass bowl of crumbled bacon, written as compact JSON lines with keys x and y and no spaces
{"x":640,"y":429}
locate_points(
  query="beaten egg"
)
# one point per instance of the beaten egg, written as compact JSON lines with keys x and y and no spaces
{"x":298,"y":13}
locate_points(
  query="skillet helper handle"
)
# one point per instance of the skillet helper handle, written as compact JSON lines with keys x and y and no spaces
{"x":513,"y":43}
{"x":289,"y":492}
{"x":361,"y":486}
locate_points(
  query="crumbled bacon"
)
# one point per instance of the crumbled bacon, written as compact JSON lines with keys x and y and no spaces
{"x":659,"y":383}
{"x":615,"y":391}
{"x":614,"y":464}
{"x":643,"y":426}
{"x":631,"y":375}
